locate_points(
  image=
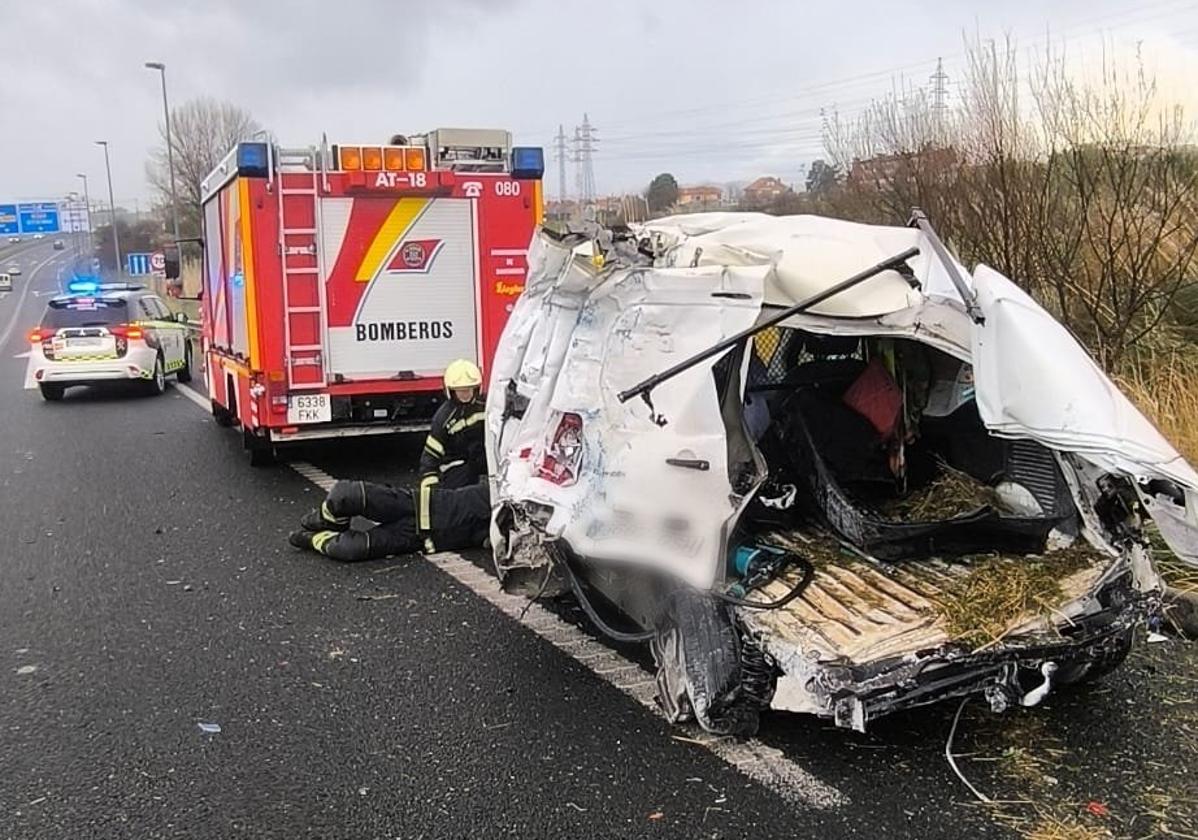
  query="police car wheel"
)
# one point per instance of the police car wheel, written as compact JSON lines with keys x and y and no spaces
{"x":52,"y":393}
{"x":184,"y":374}
{"x":157,"y":384}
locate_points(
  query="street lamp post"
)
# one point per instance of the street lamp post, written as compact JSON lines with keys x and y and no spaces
{"x":116,"y":238}
{"x":170,"y":154}
{"x":87,"y":210}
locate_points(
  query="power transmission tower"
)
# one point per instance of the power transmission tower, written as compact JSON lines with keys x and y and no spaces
{"x":584,"y":172}
{"x":560,"y":152}
{"x":939,"y":81}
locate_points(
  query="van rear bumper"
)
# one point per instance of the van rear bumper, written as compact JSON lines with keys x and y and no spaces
{"x":854,"y":695}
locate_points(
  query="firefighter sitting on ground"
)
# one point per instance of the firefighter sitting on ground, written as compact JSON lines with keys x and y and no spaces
{"x":449,"y":510}
{"x":454,"y":455}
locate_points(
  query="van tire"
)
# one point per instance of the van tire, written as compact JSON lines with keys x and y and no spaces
{"x":51,"y":392}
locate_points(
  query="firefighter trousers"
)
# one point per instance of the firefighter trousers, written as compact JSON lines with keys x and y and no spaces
{"x":394,"y":511}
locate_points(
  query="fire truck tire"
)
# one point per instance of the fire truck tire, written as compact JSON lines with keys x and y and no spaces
{"x":223,"y":417}
{"x":262,"y":452}
{"x":184,"y":373}
{"x":157,"y":384}
{"x":52,"y":393}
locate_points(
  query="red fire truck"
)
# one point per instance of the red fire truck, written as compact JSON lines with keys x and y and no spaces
{"x":339,"y":280}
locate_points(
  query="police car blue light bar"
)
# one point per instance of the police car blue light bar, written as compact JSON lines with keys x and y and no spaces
{"x":83,"y":286}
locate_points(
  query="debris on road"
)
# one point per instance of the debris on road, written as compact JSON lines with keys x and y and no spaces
{"x":24,"y":670}
{"x":210,"y":728}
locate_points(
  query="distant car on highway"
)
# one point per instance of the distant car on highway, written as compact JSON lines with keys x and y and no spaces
{"x":39,"y":236}
{"x":59,"y":245}
{"x":14,"y":269}
{"x":14,"y":239}
{"x":105,"y":333}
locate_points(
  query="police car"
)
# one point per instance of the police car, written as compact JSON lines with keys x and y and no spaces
{"x":104,"y":333}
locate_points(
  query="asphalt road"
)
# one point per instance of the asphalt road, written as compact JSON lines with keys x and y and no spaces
{"x":146,"y":588}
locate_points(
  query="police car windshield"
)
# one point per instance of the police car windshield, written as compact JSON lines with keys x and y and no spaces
{"x":85,"y":312}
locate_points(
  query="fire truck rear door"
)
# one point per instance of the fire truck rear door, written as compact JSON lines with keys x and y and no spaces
{"x":402,"y":284}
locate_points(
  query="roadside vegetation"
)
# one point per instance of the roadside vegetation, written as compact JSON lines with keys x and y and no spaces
{"x":1086,"y":191}
{"x":1083,"y":189}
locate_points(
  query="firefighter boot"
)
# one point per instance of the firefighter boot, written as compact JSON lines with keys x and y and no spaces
{"x":322,"y":519}
{"x":312,"y":540}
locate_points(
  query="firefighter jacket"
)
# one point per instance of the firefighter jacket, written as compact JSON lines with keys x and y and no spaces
{"x":454,"y":453}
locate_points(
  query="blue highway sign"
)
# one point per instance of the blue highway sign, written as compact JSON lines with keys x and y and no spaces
{"x":8,"y":220}
{"x":138,"y":265}
{"x":41,"y":217}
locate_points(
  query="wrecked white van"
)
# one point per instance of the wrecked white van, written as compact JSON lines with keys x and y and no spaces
{"x":819,"y":466}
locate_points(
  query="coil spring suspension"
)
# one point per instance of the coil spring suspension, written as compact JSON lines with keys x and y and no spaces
{"x":759,"y":676}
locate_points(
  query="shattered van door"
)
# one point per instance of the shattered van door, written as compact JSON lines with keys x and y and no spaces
{"x":1035,"y":381}
{"x":651,"y":483}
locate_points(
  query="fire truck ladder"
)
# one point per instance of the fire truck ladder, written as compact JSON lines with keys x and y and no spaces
{"x":305,"y":313}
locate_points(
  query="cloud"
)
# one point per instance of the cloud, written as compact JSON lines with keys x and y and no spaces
{"x":709,"y":89}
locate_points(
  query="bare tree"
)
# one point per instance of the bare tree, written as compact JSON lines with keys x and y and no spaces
{"x":1127,"y":174}
{"x":1084,"y":193}
{"x":203,"y":131}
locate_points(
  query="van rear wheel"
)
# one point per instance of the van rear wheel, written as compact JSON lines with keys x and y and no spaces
{"x":52,"y":393}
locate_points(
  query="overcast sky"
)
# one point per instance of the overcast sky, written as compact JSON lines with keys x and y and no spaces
{"x":712,"y":90}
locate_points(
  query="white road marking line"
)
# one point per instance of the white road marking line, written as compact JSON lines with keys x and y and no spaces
{"x":193,"y":395}
{"x":321,"y":479}
{"x":754,"y":759}
{"x":762,"y":763}
{"x":24,"y":355}
{"x":25,"y":287}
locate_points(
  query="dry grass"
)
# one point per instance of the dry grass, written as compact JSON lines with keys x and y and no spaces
{"x":1050,"y":827}
{"x":952,"y":493}
{"x":1177,"y":574}
{"x":1164,"y":385}
{"x":996,"y":592}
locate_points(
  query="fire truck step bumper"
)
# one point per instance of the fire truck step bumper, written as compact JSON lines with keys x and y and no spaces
{"x":293,"y":434}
